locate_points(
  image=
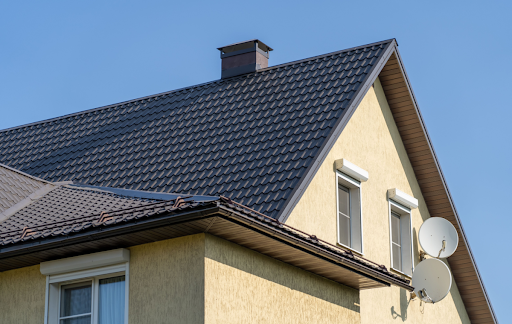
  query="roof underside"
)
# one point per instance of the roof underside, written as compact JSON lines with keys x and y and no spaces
{"x":250,"y":138}
{"x":419,"y":149}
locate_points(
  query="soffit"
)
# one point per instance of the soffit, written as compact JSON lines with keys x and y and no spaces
{"x":435,"y":191}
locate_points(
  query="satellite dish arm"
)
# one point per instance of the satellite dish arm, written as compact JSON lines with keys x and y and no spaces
{"x":442,"y":249}
{"x":424,"y":295}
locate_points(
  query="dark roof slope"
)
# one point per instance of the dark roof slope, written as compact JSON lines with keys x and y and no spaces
{"x":250,"y":138}
{"x":69,"y":202}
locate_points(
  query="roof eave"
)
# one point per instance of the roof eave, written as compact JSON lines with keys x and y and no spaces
{"x":214,"y":218}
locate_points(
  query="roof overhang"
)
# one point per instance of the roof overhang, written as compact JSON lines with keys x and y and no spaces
{"x":226,"y":220}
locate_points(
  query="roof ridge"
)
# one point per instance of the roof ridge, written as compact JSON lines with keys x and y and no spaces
{"x":193,"y":86}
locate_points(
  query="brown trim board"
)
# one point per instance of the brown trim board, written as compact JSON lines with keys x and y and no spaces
{"x":433,"y":185}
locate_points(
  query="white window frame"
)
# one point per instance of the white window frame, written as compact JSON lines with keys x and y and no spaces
{"x":351,"y":184}
{"x":406,"y":242}
{"x":55,"y":279}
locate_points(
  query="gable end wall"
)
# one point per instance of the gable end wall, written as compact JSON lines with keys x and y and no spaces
{"x":371,"y":140}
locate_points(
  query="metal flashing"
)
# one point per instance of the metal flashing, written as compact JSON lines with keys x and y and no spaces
{"x":141,"y":194}
{"x":240,"y":70}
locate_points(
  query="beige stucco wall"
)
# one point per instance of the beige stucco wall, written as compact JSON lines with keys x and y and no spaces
{"x":167,"y":281}
{"x":22,"y":294}
{"x":371,"y":141}
{"x":243,"y":286}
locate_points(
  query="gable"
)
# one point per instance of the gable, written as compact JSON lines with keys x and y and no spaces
{"x":427,"y":171}
{"x":371,"y":140}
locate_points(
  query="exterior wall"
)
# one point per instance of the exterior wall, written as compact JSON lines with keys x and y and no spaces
{"x":201,"y":279}
{"x":243,"y":286}
{"x":22,"y":294}
{"x":371,"y":141}
{"x":167,"y":281}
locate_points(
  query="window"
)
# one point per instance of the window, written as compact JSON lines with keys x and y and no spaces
{"x":97,"y":300}
{"x":396,"y":233}
{"x":79,"y":294}
{"x":349,"y":212}
{"x":400,"y":238}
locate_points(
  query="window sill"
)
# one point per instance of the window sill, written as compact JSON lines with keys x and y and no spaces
{"x":400,"y":273}
{"x":349,"y":248}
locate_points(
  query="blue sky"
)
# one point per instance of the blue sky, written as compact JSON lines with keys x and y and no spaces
{"x":59,"y":57}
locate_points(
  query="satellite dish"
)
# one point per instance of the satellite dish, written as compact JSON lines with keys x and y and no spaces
{"x":431,"y":280}
{"x":438,"y":238}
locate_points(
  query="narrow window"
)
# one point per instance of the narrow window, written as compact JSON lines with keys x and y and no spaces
{"x":349,"y":212}
{"x":344,"y":214}
{"x":400,"y":238}
{"x":396,"y":241}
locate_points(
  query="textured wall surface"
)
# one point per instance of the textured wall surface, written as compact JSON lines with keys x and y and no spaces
{"x":22,"y":294}
{"x":371,"y":141}
{"x":167,"y":281}
{"x":243,"y":286}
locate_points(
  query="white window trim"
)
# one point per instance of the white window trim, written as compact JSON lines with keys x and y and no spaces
{"x":357,"y":184}
{"x":403,"y":210}
{"x":54,"y":281}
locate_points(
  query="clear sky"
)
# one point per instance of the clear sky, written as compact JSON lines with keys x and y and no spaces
{"x":59,"y":57}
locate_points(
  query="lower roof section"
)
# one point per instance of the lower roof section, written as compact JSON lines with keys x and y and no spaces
{"x":222,"y":218}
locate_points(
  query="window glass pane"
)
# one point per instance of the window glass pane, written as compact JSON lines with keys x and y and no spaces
{"x":343,"y":200}
{"x":397,"y":257}
{"x":356,"y":239}
{"x":395,"y":228}
{"x":111,"y":300}
{"x":77,"y":320}
{"x":76,"y":299}
{"x":344,"y":223}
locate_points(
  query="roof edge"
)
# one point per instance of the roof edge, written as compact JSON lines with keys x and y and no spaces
{"x":189,"y":87}
{"x":299,"y":190}
{"x":24,"y":174}
{"x":445,"y":184}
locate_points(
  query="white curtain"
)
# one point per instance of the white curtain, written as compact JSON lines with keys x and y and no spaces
{"x":111,"y":300}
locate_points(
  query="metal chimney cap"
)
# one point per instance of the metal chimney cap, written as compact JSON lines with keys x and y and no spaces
{"x":244,"y":45}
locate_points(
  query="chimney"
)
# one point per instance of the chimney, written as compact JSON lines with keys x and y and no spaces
{"x":243,"y":57}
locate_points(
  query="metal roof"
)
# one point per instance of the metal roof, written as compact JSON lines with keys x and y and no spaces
{"x":250,"y":138}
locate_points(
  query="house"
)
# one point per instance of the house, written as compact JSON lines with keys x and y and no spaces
{"x":267,"y":196}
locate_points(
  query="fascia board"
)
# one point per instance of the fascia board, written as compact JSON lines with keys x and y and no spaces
{"x":304,"y":182}
{"x":443,"y":180}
